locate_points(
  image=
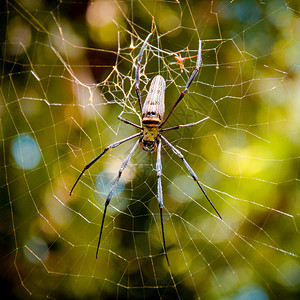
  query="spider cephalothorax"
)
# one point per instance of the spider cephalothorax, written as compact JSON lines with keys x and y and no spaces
{"x":150,"y":137}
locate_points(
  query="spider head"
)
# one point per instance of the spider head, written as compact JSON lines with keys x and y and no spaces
{"x":148,"y":145}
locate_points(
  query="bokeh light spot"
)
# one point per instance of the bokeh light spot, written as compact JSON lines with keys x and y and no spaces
{"x":183,"y":189}
{"x":101,"y":13}
{"x":25,"y":151}
{"x":251,"y":292}
{"x":18,"y":35}
{"x":104,"y":182}
{"x":36,"y":250}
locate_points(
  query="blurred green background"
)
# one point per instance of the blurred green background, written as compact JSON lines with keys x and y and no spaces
{"x":67,"y":72}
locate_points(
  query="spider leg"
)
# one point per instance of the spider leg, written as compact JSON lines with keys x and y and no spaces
{"x":195,"y":72}
{"x":128,"y":122}
{"x":185,"y":125}
{"x":113,"y":145}
{"x":110,"y":194}
{"x":191,"y":171}
{"x":160,"y":195}
{"x":137,"y":73}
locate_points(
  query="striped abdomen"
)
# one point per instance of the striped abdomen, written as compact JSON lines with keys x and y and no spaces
{"x":154,"y":106}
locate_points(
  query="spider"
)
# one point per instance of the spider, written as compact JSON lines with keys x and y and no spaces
{"x":150,"y":137}
{"x":180,"y":61}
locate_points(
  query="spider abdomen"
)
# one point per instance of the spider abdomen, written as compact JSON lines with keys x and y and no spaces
{"x":154,"y":106}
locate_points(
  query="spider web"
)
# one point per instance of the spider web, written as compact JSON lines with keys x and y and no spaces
{"x":68,"y":71}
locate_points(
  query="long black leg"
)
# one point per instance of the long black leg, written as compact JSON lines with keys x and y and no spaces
{"x":113,"y":145}
{"x":182,"y":126}
{"x":112,"y":189}
{"x":137,"y":73}
{"x":195,"y":72}
{"x":191,"y":171}
{"x":160,"y":195}
{"x":128,"y":122}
